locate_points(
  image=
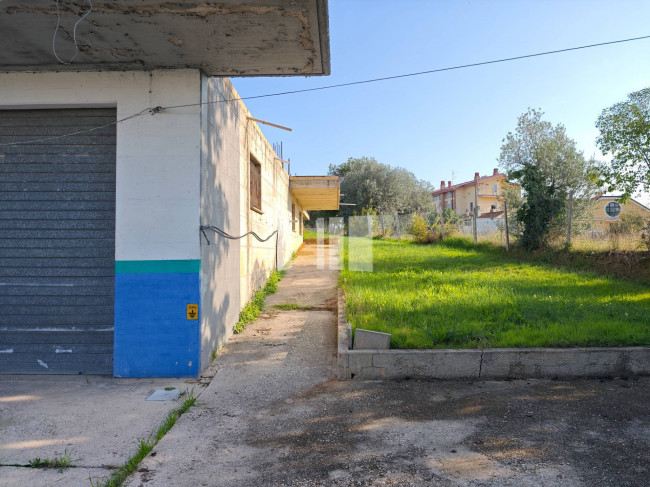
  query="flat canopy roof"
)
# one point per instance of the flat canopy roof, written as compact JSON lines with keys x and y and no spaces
{"x":224,"y":38}
{"x":316,"y":192}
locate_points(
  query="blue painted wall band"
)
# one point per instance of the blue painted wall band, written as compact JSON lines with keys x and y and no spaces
{"x":153,"y":337}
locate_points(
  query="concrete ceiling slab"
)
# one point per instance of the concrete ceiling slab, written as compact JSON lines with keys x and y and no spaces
{"x":225,"y":38}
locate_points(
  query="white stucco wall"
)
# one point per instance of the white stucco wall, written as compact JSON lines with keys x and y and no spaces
{"x":221,"y":149}
{"x":158,"y":157}
{"x":258,"y":259}
{"x":232,"y":269}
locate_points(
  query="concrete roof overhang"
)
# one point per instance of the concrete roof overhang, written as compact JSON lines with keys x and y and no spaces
{"x":222,"y":38}
{"x":316,"y":192}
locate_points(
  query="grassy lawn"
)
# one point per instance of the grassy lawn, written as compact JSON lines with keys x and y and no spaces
{"x":454,"y":295}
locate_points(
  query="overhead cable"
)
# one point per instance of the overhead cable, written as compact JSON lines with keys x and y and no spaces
{"x":155,"y":110}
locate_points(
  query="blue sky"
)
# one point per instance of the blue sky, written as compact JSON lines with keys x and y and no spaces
{"x":451,"y":124}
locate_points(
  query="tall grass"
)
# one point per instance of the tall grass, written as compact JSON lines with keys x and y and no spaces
{"x":457,"y":295}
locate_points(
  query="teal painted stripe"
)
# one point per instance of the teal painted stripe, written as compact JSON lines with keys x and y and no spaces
{"x":157,"y":267}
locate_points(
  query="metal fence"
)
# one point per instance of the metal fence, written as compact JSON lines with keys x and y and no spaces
{"x":583,"y":234}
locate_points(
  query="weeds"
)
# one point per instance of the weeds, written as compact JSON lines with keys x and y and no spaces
{"x":251,"y":311}
{"x":627,"y":260}
{"x":61,"y":463}
{"x":293,"y":306}
{"x":145,"y":446}
{"x":215,"y":352}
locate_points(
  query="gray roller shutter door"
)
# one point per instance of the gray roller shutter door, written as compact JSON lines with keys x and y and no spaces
{"x":57,"y":242}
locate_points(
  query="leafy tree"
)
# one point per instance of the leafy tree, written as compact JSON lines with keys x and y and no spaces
{"x":379,"y":188}
{"x":543,"y":204}
{"x":343,"y":169}
{"x":544,"y":161}
{"x":625,"y":133}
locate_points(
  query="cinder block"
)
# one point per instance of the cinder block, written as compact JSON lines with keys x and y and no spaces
{"x":639,"y":360}
{"x":371,"y":340}
{"x":343,"y":369}
{"x":357,"y":359}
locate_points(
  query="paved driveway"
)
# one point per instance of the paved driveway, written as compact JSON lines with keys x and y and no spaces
{"x":97,"y":421}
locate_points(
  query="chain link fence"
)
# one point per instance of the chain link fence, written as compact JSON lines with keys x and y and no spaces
{"x":587,"y":231}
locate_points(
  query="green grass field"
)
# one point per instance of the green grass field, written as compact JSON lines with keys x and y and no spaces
{"x":454,"y":295}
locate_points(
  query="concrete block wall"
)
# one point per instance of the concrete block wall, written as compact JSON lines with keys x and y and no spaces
{"x":220,"y":187}
{"x":259,"y":259}
{"x":233,"y":270}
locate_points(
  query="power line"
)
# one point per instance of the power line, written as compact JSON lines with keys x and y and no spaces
{"x":431,"y":71}
{"x":158,"y":109}
{"x":152,"y":111}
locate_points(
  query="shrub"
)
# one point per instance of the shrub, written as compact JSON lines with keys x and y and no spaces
{"x":422,"y":232}
{"x":629,"y":225}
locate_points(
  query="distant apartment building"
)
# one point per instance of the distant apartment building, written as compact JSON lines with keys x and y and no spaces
{"x":484,"y":192}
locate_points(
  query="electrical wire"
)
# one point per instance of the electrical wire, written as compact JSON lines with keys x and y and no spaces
{"x":152,"y":111}
{"x":218,"y":231}
{"x":430,"y":71}
{"x":155,"y":110}
{"x":74,"y":32}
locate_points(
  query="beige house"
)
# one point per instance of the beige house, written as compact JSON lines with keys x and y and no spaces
{"x":484,"y":191}
{"x":607,"y":211}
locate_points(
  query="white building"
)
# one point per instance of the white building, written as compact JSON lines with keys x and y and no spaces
{"x":103,"y":265}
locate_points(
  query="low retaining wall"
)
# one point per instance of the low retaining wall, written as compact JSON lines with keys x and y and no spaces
{"x":492,"y":363}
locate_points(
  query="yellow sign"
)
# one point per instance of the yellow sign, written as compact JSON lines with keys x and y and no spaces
{"x":192,"y":311}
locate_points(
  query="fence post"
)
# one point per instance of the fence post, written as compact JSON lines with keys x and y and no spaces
{"x":475,"y":212}
{"x":505,"y":215}
{"x":568,"y":235}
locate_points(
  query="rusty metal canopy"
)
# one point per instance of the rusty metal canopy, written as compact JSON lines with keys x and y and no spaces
{"x":224,"y":38}
{"x":316,"y":192}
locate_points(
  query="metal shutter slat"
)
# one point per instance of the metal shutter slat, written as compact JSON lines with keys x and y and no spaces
{"x":57,"y":242}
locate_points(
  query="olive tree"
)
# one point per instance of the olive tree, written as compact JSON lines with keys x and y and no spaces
{"x":545,"y":162}
{"x":380,"y":188}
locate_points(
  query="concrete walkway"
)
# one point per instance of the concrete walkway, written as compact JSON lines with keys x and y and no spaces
{"x":94,"y":421}
{"x":279,"y":357}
